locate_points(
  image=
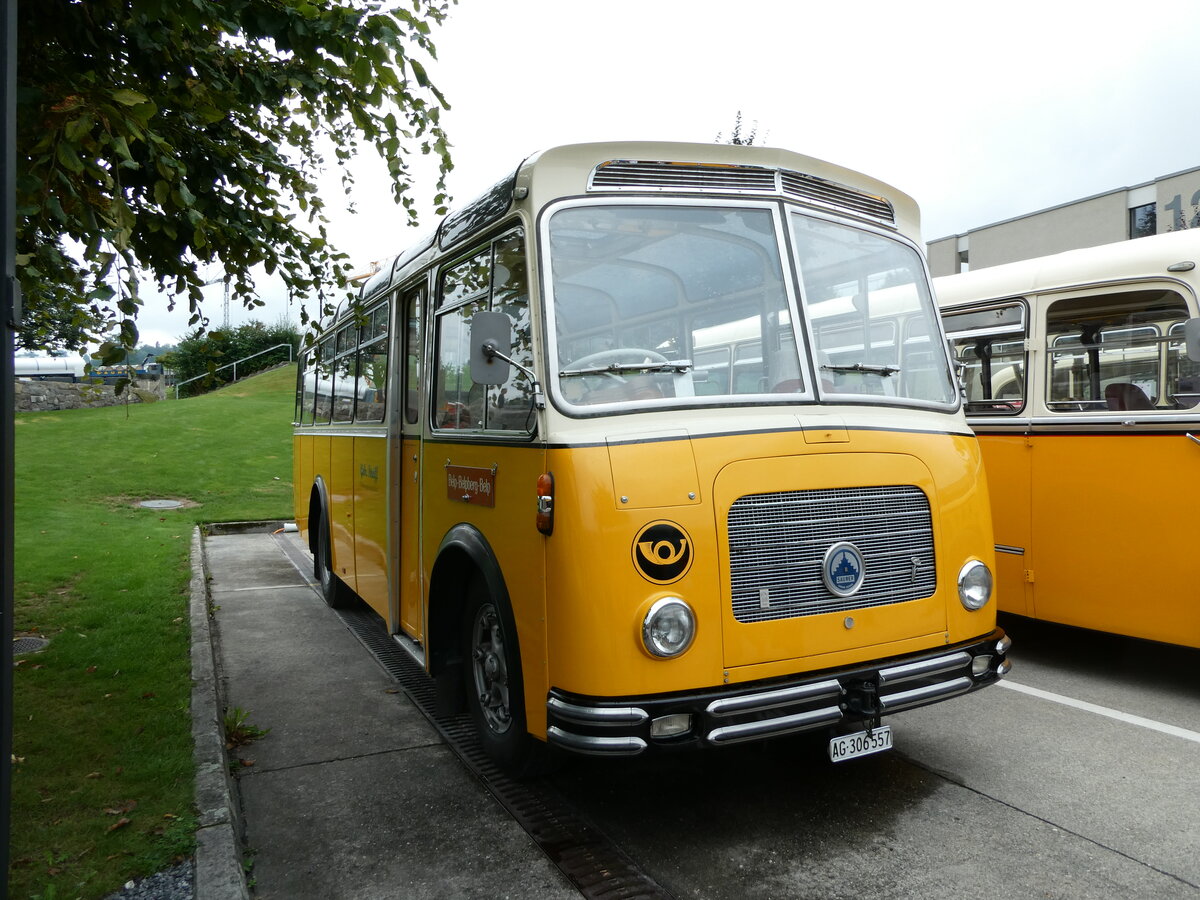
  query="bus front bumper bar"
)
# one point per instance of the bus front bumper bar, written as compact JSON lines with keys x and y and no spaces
{"x":828,"y":699}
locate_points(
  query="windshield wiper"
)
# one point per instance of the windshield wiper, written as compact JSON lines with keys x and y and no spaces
{"x":865,"y":369}
{"x":678,"y":367}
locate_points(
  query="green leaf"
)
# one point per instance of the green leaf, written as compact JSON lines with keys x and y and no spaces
{"x":129,"y":333}
{"x":79,"y":128}
{"x":68,"y":158}
{"x":419,"y":72}
{"x":122,"y":147}
{"x":127,"y":97}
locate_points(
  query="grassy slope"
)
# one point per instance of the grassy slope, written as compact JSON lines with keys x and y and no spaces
{"x":103,"y":789}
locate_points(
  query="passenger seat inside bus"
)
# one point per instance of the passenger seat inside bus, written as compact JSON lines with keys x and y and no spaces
{"x":1123,"y":395}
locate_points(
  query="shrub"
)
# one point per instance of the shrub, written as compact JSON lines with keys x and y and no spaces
{"x":202,"y":353}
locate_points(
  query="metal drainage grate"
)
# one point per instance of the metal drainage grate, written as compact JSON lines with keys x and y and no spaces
{"x":28,"y":645}
{"x":596,"y":866}
{"x":161,"y":504}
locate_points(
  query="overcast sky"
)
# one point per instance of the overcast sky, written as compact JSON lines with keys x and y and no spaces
{"x":981,"y":111}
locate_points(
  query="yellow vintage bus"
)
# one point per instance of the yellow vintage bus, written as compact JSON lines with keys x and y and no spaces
{"x":657,"y":446}
{"x":1079,"y":383}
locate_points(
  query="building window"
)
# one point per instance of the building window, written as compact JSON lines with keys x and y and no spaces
{"x":1143,"y":221}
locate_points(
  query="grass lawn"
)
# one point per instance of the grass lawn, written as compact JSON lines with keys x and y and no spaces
{"x":103,"y":777}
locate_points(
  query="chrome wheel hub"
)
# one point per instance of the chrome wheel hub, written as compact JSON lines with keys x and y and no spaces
{"x":489,"y":669}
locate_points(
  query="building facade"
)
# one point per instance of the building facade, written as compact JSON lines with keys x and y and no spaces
{"x":1168,"y":203}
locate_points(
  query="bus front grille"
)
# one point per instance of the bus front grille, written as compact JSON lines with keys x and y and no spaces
{"x":647,"y":175}
{"x":778,"y":542}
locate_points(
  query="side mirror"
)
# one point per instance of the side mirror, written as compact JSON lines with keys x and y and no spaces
{"x":1191,"y":334}
{"x":491,"y":344}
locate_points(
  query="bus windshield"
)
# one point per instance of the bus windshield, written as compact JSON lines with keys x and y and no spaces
{"x":661,"y":304}
{"x":873,"y":321}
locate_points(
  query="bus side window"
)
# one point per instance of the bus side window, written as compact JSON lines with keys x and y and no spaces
{"x":509,"y":406}
{"x":989,"y":345}
{"x":492,"y":279}
{"x":309,"y":398}
{"x":993,"y":372}
{"x":343,"y":374}
{"x":412,"y":312}
{"x":455,"y":388}
{"x":324,"y":383}
{"x":298,"y":418}
{"x":1183,"y":374}
{"x":371,"y":388}
{"x":1106,"y":350}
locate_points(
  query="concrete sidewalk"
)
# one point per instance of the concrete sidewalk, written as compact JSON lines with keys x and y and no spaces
{"x":352,"y":793}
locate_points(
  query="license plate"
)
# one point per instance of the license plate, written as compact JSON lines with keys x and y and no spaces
{"x":862,"y":743}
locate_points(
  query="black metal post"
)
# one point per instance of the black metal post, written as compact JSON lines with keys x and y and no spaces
{"x":9,"y":315}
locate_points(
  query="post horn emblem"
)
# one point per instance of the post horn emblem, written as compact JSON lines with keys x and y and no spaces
{"x":662,"y":552}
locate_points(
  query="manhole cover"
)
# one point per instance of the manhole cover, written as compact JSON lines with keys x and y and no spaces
{"x":29,"y":645}
{"x":161,"y":504}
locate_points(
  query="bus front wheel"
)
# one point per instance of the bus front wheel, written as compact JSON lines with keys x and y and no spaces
{"x":494,"y":689}
{"x":334,"y":592}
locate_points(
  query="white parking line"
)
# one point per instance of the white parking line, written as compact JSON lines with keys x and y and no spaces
{"x":1103,"y":711}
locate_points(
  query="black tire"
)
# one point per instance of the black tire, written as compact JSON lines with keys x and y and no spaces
{"x":333,"y":590}
{"x":494,"y":687}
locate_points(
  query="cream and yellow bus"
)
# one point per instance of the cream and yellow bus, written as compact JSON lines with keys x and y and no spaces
{"x":657,"y":446}
{"x":1079,"y":383}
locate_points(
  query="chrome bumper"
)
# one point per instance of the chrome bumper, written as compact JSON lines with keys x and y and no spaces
{"x":747,"y":712}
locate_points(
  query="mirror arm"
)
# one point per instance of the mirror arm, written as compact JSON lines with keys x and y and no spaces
{"x":539,"y":399}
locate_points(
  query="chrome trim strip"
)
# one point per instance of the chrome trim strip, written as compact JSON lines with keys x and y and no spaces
{"x":595,"y":746}
{"x":1015,"y":551}
{"x":335,"y":430}
{"x":821,"y":690}
{"x":924,"y":667}
{"x":1074,"y":423}
{"x":596,"y":715}
{"x":411,"y":647}
{"x":890,"y":703}
{"x":748,"y":731}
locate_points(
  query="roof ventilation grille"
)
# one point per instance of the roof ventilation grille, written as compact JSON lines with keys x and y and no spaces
{"x":670,"y":177}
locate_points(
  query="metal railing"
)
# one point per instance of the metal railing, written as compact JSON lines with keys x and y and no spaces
{"x":233,"y":365}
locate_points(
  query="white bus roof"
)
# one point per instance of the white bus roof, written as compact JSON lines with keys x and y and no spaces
{"x":1139,"y":258}
{"x":644,"y":166}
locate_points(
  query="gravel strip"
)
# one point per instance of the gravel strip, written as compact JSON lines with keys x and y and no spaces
{"x":174,"y":883}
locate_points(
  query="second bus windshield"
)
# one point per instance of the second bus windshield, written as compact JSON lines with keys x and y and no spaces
{"x":667,"y":304}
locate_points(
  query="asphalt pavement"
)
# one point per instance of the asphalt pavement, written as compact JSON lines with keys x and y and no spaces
{"x":1075,"y":779}
{"x":350,"y":792}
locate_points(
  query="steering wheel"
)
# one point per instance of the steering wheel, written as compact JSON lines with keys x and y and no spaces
{"x":615,"y":356}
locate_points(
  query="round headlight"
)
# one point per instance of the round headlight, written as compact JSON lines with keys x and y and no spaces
{"x":974,"y":585}
{"x":669,"y":627}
